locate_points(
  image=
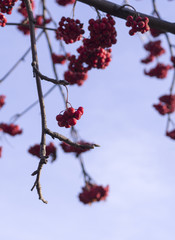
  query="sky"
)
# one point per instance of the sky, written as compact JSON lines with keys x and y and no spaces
{"x":135,"y":159}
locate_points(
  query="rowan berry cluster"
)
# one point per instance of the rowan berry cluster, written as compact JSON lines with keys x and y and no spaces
{"x":102,"y":33}
{"x":155,"y":32}
{"x":2,"y":100}
{"x":70,"y":30}
{"x":40,"y":20}
{"x":69,"y":117}
{"x":155,"y":49}
{"x":65,"y":2}
{"x":50,"y":150}
{"x":11,"y":129}
{"x":92,"y":54}
{"x":61,"y":59}
{"x":94,"y":58}
{"x":138,"y":24}
{"x":71,"y":149}
{"x":3,"y":20}
{"x":75,"y":77}
{"x":171,"y":134}
{"x":22,"y":8}
{"x":24,"y":29}
{"x":6,"y":6}
{"x":166,"y":104}
{"x":160,"y":71}
{"x":93,"y":193}
{"x":173,"y":60}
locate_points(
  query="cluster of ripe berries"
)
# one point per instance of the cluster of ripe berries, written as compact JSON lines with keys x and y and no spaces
{"x":2,"y":100}
{"x":138,"y":24}
{"x":22,"y":8}
{"x":65,"y":2}
{"x":6,"y":6}
{"x":78,"y":150}
{"x":93,"y":193}
{"x":160,"y":71}
{"x":93,"y":53}
{"x":3,"y":20}
{"x":70,"y":30}
{"x":155,"y":32}
{"x":171,"y":134}
{"x":11,"y":129}
{"x":155,"y":49}
{"x":59,"y":59}
{"x":166,"y":104}
{"x":50,"y":150}
{"x":38,"y":21}
{"x":102,"y":33}
{"x":69,"y":117}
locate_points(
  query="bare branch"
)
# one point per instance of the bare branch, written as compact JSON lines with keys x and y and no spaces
{"x":59,"y":82}
{"x":20,"y":60}
{"x":118,"y":11}
{"x":27,"y":25}
{"x":40,"y":96}
{"x":67,"y":140}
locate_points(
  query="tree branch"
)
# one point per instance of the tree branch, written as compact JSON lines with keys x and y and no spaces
{"x":59,"y":82}
{"x":118,"y":11}
{"x":41,"y":101}
{"x":67,"y":140}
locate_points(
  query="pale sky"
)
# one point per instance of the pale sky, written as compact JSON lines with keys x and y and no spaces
{"x":136,"y":159}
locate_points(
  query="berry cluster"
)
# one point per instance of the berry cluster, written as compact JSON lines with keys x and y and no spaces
{"x":155,"y":49}
{"x":40,"y":20}
{"x":2,"y":100}
{"x":155,"y":32}
{"x":22,"y":8}
{"x":24,"y":29}
{"x":92,"y":54}
{"x":70,"y":30}
{"x":6,"y":6}
{"x":93,"y":193}
{"x":75,"y":77}
{"x":102,"y":33}
{"x":65,"y":2}
{"x":173,"y":60}
{"x":50,"y":150}
{"x":138,"y":24}
{"x":11,"y":129}
{"x":71,"y":149}
{"x":166,"y":104}
{"x":61,"y":59}
{"x":160,"y":71}
{"x":3,"y":20}
{"x":171,"y":134}
{"x":94,"y":58}
{"x":69,"y":117}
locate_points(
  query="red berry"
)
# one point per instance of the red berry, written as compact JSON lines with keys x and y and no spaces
{"x":72,"y":121}
{"x":78,"y":114}
{"x":81,"y":109}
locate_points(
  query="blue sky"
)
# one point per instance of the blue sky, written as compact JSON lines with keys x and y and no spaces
{"x":135,"y":157}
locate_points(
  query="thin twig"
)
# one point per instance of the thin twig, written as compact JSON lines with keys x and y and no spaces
{"x":18,"y":115}
{"x":27,"y":25}
{"x":67,"y":140}
{"x":20,"y":60}
{"x":59,"y":82}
